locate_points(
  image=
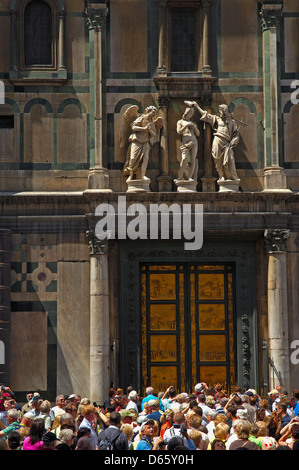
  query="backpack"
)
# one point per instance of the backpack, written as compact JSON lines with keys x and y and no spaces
{"x":108,"y":443}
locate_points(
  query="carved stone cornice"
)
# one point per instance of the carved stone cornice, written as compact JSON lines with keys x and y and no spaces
{"x":97,"y":17}
{"x":96,"y":246}
{"x":276,"y":240}
{"x":195,"y":87}
{"x":270,"y":16}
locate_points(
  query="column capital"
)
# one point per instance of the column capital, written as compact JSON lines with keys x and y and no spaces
{"x":271,"y":15}
{"x":276,"y":240}
{"x":163,"y":101}
{"x":96,"y":16}
{"x":206,"y":3}
{"x":96,"y":246}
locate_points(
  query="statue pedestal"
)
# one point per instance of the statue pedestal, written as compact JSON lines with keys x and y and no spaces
{"x":186,"y":186}
{"x":135,"y":186}
{"x":228,"y":185}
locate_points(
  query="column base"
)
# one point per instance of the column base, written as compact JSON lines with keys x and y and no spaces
{"x":229,"y":185}
{"x":186,"y":186}
{"x":164,"y":184}
{"x":98,"y":178}
{"x":275,"y":180}
{"x":138,"y":185}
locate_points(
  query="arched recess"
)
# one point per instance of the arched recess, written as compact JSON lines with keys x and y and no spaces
{"x":72,"y":132}
{"x":38,"y":132}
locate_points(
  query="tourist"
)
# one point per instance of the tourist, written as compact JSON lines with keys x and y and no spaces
{"x":34,"y":440}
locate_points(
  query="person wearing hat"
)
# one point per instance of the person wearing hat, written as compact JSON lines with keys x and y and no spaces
{"x":27,"y":407}
{"x":147,"y":436}
{"x":35,"y":403}
{"x":199,"y":388}
{"x":132,"y":403}
{"x":128,"y":416}
{"x":50,"y":441}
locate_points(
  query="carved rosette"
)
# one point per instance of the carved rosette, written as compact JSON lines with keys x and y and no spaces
{"x":276,"y":240}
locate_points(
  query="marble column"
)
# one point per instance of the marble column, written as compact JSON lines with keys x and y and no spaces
{"x":61,"y":42}
{"x":274,"y":174}
{"x":164,"y":180}
{"x":96,"y":15}
{"x":278,"y":336}
{"x":208,"y":180}
{"x":99,"y":319}
{"x":162,"y":69}
{"x":206,"y":4}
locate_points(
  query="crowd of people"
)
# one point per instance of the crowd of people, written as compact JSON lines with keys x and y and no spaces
{"x":207,"y":419}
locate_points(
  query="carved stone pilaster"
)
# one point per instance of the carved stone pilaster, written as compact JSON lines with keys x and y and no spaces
{"x":164,"y":180}
{"x":99,"y":318}
{"x":276,"y":240}
{"x":96,"y":246}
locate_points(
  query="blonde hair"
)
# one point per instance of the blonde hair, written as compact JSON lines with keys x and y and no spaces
{"x":221,"y":431}
{"x":243,"y":428}
{"x":195,"y":435}
{"x":220,"y":418}
{"x":210,"y":401}
{"x":88,"y":409}
{"x":128,"y":430}
{"x":263,"y":428}
{"x":166,"y":415}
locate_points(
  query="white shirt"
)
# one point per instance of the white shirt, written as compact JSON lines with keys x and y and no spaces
{"x":132,"y":405}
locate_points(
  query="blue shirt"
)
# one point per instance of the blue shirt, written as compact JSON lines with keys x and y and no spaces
{"x":144,"y":444}
{"x":148,"y":398}
{"x":94,"y":438}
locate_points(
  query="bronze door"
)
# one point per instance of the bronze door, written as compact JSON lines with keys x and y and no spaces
{"x":187,"y":325}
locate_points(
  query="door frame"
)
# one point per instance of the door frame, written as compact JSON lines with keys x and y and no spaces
{"x":133,"y":254}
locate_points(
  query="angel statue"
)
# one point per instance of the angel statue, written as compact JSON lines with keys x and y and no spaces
{"x":139,"y":130}
{"x":188,"y":131}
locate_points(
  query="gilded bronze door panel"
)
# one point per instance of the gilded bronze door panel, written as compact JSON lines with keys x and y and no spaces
{"x":187,"y":325}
